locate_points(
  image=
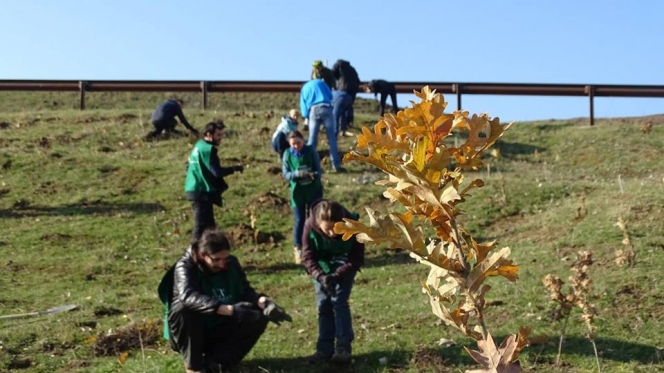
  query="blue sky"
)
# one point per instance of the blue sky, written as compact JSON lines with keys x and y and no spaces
{"x":525,"y":41}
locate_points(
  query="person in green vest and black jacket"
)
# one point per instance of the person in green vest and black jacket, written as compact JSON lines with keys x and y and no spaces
{"x":301,"y":166}
{"x":213,"y":315}
{"x":205,"y":183}
{"x":333,"y":264}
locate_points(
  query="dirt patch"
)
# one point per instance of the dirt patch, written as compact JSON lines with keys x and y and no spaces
{"x":107,"y":311}
{"x":44,"y":142}
{"x":269,"y":200}
{"x":14,"y":267}
{"x":7,"y":165}
{"x":426,"y":359}
{"x":243,"y":234}
{"x":274,"y":170}
{"x":129,"y":337}
{"x":19,"y":362}
{"x":55,"y":237}
{"x":126,"y":117}
{"x":5,"y":125}
{"x":66,"y":139}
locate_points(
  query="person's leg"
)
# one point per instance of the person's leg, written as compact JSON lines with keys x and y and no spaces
{"x":331,"y":132}
{"x":237,"y":341}
{"x":314,"y":126}
{"x":298,"y":227}
{"x":283,"y":143}
{"x":326,"y":332}
{"x":187,"y":335}
{"x":337,"y":112}
{"x":203,"y":217}
{"x":383,"y":102}
{"x":344,"y":107}
{"x":393,"y":97}
{"x":342,"y":317}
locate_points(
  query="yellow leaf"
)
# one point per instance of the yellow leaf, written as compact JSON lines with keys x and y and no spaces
{"x":123,"y":357}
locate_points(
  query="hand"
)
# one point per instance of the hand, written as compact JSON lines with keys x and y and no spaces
{"x":239,"y":168}
{"x":329,"y":283}
{"x":245,"y":312}
{"x":275,"y":313}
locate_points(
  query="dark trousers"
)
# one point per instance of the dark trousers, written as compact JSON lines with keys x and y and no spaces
{"x":217,"y":349}
{"x":383,"y":101}
{"x":203,"y":217}
{"x":161,"y":126}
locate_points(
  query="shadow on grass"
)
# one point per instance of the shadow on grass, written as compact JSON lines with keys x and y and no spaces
{"x":387,"y":258}
{"x":82,"y":208}
{"x":511,"y":149}
{"x":454,"y":359}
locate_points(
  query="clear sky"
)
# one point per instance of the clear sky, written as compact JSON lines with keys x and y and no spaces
{"x":506,"y":41}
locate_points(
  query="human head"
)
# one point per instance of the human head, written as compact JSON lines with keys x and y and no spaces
{"x":328,"y":213}
{"x":212,"y":131}
{"x":179,"y":101}
{"x":296,"y":140}
{"x":212,"y":250}
{"x":317,"y":64}
{"x":295,"y":115}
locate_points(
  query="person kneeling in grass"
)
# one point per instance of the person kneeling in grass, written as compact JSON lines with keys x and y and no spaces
{"x":332,"y":263}
{"x":301,"y":166}
{"x":213,"y":315}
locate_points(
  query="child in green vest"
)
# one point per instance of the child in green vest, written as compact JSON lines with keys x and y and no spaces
{"x":332,"y":263}
{"x":301,"y":166}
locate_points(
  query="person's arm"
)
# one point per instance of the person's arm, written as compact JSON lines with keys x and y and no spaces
{"x":216,"y":169}
{"x":317,"y":168}
{"x":185,"y":280}
{"x":309,"y":254}
{"x":304,"y":106}
{"x":285,"y":168}
{"x":355,"y":261}
{"x":183,"y":120}
{"x":250,"y":295}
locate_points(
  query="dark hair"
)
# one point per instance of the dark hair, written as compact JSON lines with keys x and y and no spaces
{"x":295,"y":134}
{"x":214,"y":125}
{"x":212,"y":241}
{"x":179,"y":101}
{"x":327,"y":210}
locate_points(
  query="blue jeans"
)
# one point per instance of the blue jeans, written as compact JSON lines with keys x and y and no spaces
{"x":318,"y":114}
{"x":334,"y":319}
{"x":299,"y":217}
{"x":341,"y":105}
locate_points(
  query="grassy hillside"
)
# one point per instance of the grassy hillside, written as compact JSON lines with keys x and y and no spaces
{"x":92,"y":215}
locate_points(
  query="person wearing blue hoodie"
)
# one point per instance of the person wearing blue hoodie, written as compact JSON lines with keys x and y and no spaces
{"x":316,"y":108}
{"x":280,"y":136}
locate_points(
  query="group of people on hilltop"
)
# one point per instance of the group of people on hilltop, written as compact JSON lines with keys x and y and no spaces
{"x":213,"y":316}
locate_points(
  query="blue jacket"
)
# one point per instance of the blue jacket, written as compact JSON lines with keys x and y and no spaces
{"x":314,"y":92}
{"x":286,"y":126}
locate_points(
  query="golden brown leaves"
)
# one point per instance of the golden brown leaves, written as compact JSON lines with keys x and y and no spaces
{"x":496,"y":360}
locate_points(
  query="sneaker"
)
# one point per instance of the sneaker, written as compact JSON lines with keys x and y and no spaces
{"x":298,"y":255}
{"x":340,"y":357}
{"x":347,"y":134}
{"x":317,"y":358}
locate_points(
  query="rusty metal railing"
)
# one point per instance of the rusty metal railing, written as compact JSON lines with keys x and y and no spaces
{"x":588,"y":90}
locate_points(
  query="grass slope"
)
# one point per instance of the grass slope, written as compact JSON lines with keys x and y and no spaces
{"x":92,"y":215}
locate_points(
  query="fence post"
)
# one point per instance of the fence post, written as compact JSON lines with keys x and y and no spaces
{"x":590,"y":90}
{"x":457,"y":89}
{"x":204,"y":90}
{"x":81,"y":89}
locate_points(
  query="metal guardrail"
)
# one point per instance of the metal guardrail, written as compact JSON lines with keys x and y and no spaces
{"x":459,"y":89}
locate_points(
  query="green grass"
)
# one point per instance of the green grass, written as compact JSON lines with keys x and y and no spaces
{"x":92,"y":215}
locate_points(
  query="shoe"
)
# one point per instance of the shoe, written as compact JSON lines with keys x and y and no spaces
{"x":297,"y":253}
{"x":317,"y":358}
{"x":347,"y":134}
{"x":340,"y":357}
{"x":340,"y":170}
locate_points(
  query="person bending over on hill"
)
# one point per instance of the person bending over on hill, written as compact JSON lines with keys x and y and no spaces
{"x":348,"y":81}
{"x":332,"y":263}
{"x":163,"y":118}
{"x":320,"y":71}
{"x":385,"y":88}
{"x":280,"y":136}
{"x":301,"y":167}
{"x":204,"y":183}
{"x":213,"y":315}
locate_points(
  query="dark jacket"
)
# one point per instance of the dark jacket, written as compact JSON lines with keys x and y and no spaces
{"x":185,"y":289}
{"x":382,"y":87}
{"x":326,"y":74}
{"x":346,"y":77}
{"x":310,"y":255}
{"x":167,"y":111}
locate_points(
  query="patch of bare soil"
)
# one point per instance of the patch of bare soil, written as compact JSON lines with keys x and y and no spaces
{"x":269,"y":200}
{"x":129,"y":337}
{"x":242,"y":234}
{"x":427,"y":359}
{"x":274,"y":170}
{"x":19,"y":362}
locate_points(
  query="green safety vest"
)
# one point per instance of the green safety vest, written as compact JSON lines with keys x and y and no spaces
{"x":332,"y":254}
{"x":199,"y":178}
{"x":304,"y":190}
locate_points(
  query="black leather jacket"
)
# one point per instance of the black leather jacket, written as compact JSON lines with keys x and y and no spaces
{"x":186,"y":286}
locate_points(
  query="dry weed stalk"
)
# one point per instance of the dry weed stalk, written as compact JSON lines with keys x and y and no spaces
{"x":410,"y":148}
{"x":627,"y":255}
{"x":579,"y":290}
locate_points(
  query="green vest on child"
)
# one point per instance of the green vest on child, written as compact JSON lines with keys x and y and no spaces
{"x":303,"y":190}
